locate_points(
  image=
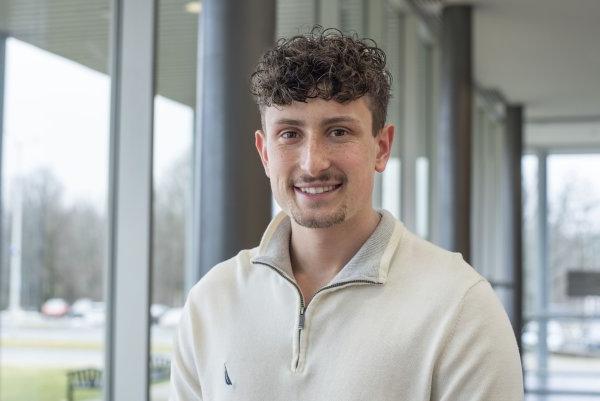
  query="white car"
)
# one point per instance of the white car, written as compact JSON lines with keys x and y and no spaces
{"x":170,"y":318}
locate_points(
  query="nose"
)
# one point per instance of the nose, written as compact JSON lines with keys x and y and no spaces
{"x":315,"y":158}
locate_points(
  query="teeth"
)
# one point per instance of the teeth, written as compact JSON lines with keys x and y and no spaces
{"x":318,"y":190}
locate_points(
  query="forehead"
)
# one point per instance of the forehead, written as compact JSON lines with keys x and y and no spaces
{"x":316,"y":111}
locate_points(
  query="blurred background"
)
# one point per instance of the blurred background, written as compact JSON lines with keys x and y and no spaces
{"x":127,"y":171}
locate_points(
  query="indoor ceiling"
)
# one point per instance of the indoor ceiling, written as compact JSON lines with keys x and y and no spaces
{"x":80,"y":31}
{"x":542,"y":53}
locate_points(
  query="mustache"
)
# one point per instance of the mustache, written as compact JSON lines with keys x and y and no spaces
{"x":325,"y":177}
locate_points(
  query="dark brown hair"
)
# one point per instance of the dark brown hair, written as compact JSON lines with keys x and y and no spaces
{"x":326,"y":64}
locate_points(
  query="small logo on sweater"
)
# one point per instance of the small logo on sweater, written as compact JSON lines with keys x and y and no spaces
{"x":227,"y":379}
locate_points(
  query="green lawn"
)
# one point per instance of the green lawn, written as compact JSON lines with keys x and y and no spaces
{"x":40,"y":384}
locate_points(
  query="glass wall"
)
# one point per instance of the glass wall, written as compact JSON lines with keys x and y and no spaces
{"x":174,"y":121}
{"x":491,"y":235}
{"x":561,"y":336}
{"x":55,"y":138}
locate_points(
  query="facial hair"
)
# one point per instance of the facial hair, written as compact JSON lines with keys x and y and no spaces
{"x":314,"y":220}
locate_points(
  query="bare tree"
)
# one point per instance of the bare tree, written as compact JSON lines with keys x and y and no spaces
{"x":170,"y":214}
{"x":62,"y":246}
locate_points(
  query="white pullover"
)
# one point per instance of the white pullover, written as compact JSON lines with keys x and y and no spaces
{"x":403,"y":320}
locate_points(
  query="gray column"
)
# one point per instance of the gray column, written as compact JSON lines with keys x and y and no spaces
{"x":130,"y":201}
{"x":235,"y":200}
{"x":409,"y":142}
{"x":514,"y":142}
{"x":454,"y":131}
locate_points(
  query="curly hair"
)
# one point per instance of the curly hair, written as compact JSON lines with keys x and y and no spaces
{"x":326,"y":64}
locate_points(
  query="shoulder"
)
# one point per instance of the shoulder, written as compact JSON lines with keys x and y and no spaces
{"x":223,"y":278}
{"x":433,"y":269}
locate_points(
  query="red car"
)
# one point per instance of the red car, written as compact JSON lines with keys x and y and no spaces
{"x":55,"y":307}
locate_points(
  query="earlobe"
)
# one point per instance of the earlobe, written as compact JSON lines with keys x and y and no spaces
{"x":261,"y":146}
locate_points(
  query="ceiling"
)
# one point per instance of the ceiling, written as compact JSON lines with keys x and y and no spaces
{"x":80,"y":31}
{"x":542,"y":53}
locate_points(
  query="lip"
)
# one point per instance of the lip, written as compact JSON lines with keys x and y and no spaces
{"x":321,"y":184}
{"x":315,"y":197}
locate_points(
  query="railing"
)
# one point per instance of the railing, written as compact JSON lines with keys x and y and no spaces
{"x":543,"y":374}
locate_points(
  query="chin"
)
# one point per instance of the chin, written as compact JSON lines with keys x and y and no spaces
{"x":318,"y":220}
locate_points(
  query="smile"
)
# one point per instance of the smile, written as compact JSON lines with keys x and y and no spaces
{"x":318,"y":190}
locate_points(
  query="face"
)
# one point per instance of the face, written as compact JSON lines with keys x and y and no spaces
{"x":321,"y":157}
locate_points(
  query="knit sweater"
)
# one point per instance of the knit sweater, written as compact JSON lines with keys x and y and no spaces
{"x":402,"y":320}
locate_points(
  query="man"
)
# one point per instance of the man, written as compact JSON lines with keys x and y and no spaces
{"x":339,"y":301}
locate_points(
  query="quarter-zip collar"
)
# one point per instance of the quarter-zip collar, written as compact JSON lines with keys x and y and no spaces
{"x":370,"y":263}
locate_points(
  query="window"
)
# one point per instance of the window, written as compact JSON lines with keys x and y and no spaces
{"x":174,"y":118}
{"x":54,"y":191}
{"x":560,"y":337}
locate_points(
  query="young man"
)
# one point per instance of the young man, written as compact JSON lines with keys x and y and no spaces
{"x":339,"y":301}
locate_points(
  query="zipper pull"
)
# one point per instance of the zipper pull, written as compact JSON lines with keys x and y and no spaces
{"x":301,"y":320}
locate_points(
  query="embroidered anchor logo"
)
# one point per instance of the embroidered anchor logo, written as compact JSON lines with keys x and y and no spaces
{"x":227,"y":379}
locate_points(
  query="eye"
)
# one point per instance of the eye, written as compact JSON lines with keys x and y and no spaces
{"x":289,"y":135}
{"x":338,"y":132}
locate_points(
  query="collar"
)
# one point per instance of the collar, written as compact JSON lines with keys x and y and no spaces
{"x":371,"y":262}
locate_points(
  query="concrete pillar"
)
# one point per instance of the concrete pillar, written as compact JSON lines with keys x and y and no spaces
{"x":409,"y":142}
{"x":514,"y":142}
{"x":235,"y":200}
{"x":130,"y":231}
{"x":454,"y":131}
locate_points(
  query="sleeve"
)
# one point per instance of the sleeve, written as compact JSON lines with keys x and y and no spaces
{"x":185,"y":382}
{"x":480,"y":360}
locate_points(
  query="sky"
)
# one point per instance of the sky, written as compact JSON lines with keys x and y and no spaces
{"x":57,"y":114}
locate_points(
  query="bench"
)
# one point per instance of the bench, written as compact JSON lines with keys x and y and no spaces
{"x":91,"y":378}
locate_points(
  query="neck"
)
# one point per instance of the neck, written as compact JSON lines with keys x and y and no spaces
{"x":321,"y":253}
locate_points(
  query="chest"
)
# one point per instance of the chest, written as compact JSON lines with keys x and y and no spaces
{"x":348,"y":344}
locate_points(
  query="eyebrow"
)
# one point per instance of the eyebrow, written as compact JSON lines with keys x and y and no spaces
{"x":290,"y":121}
{"x":327,"y":121}
{"x":339,"y":119}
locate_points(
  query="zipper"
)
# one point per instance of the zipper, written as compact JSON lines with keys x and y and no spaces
{"x":300,"y":328}
{"x":302,"y":307}
{"x":302,"y":312}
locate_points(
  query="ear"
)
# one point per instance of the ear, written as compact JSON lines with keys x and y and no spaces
{"x":260,"y":141}
{"x":384,"y":141}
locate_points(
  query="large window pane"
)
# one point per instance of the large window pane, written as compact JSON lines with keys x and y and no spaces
{"x":54,"y":191}
{"x":174,"y":111}
{"x":569,"y":311}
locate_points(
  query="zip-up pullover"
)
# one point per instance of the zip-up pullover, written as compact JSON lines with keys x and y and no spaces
{"x":402,"y":320}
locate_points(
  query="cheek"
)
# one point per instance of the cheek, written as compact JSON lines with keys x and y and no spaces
{"x":279,"y":168}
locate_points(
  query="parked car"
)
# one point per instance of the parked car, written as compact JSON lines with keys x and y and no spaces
{"x":96,"y":315}
{"x":55,"y":307}
{"x":156,"y":312}
{"x":81,"y":307}
{"x":171,"y":317}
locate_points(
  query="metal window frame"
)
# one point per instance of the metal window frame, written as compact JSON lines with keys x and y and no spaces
{"x":128,"y":274}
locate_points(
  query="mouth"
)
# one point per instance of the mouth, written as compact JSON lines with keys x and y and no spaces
{"x":317,"y":191}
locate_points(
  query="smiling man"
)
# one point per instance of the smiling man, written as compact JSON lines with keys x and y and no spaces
{"x":339,"y":301}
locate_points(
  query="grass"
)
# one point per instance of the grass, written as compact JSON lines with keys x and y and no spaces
{"x":69,"y":344}
{"x":40,"y":384}
{"x":43,"y":343}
